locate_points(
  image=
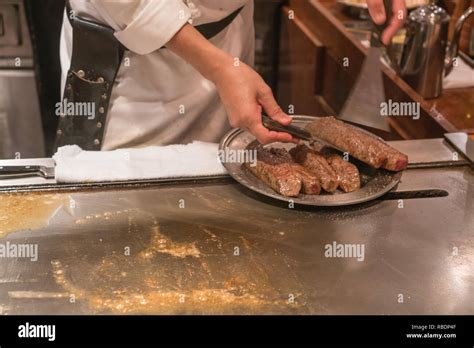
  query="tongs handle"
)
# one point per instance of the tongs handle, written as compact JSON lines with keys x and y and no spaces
{"x":388,"y":18}
{"x":376,"y":39}
{"x":295,"y":131}
{"x":8,"y":170}
{"x":12,"y":172}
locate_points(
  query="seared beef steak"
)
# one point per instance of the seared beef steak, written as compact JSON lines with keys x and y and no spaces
{"x":364,"y":147}
{"x":307,"y":170}
{"x":275,"y":173}
{"x":396,"y":161}
{"x":315,"y":163}
{"x":310,"y":182}
{"x":347,"y":173}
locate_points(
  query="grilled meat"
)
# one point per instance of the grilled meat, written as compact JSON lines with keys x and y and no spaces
{"x":315,"y":163}
{"x":310,"y":182}
{"x":347,"y":173}
{"x":362,"y":146}
{"x":277,"y":174}
{"x":395,"y":161}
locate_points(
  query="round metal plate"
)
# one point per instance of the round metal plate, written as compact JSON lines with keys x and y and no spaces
{"x":374,"y":183}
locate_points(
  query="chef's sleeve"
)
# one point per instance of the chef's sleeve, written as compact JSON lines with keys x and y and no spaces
{"x":144,"y":25}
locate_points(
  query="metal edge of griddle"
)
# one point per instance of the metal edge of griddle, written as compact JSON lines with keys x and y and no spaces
{"x":464,"y":145}
{"x":463,"y":161}
{"x":430,"y":153}
{"x":117,"y":185}
{"x":438,"y":165}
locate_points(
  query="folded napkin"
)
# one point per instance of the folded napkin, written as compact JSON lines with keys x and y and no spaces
{"x":74,"y":165}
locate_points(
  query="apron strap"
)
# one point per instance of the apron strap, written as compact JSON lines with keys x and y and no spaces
{"x":96,"y":58}
{"x":209,"y":30}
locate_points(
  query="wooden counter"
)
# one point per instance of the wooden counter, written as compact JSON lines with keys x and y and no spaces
{"x":313,"y":78}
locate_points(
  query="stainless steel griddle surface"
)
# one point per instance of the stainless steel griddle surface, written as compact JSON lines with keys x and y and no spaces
{"x":219,"y":248}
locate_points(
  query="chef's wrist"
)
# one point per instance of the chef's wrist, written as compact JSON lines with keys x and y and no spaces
{"x":217,"y":67}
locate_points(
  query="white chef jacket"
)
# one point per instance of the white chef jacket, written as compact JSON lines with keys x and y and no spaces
{"x":159,"y":98}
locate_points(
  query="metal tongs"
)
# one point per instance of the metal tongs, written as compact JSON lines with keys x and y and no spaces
{"x":298,"y":132}
{"x":19,"y":171}
{"x":376,"y":38}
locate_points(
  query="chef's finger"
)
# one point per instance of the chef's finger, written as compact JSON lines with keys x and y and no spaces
{"x":396,"y":22}
{"x":271,"y":107}
{"x":390,"y":31}
{"x":265,"y":136}
{"x":377,"y":11}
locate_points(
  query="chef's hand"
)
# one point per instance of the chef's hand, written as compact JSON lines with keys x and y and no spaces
{"x":244,"y":93}
{"x":377,"y":12}
{"x":245,"y":96}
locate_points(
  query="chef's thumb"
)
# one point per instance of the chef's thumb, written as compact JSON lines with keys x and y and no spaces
{"x":271,"y":107}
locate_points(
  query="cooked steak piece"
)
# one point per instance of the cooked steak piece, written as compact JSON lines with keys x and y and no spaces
{"x":316,"y":163}
{"x":310,"y":182}
{"x":347,"y":173}
{"x":275,"y":173}
{"x":364,"y":147}
{"x":396,"y":161}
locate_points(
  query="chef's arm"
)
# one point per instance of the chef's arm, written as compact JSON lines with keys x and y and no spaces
{"x":244,"y":93}
{"x":145,"y":26}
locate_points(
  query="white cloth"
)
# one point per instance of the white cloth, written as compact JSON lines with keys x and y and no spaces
{"x":74,"y":165}
{"x":159,"y":98}
{"x":462,"y":76}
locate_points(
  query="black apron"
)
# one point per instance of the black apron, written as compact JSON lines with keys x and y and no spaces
{"x":96,"y":59}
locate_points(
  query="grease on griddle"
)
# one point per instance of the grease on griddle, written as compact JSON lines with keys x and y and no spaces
{"x":28,"y":211}
{"x":162,"y":244}
{"x":117,"y":291}
{"x":170,"y":277}
{"x":152,"y":298}
{"x":37,"y":294}
{"x":108,"y":215}
{"x":159,"y":243}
